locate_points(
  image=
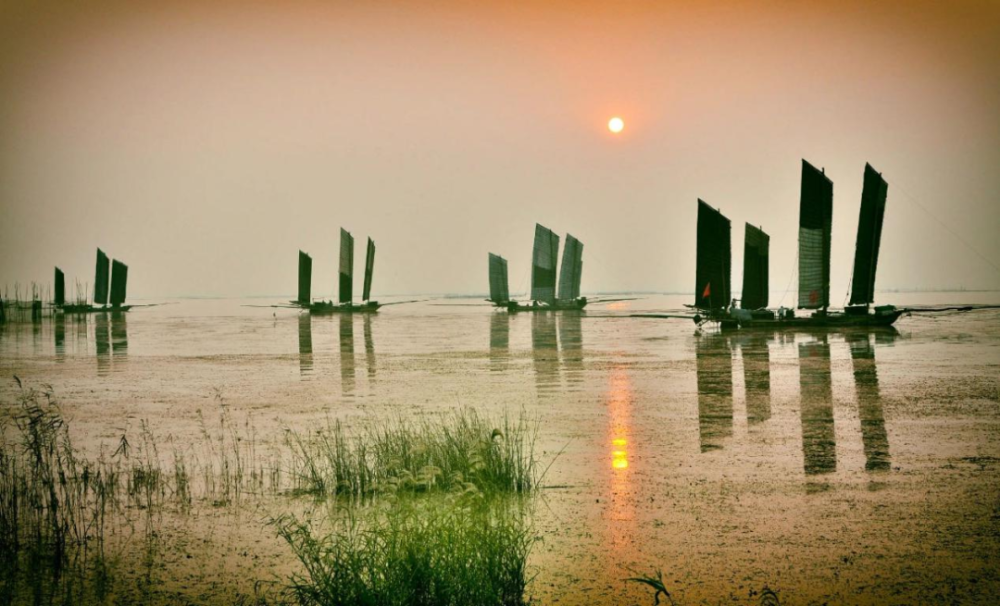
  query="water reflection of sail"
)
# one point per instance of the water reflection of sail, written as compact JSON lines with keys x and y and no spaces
{"x":715,"y":390}
{"x":873,"y":435}
{"x":103,"y":343}
{"x":369,"y":342}
{"x":499,"y":341}
{"x":119,"y":336}
{"x":544,"y":350}
{"x":59,"y":321}
{"x":571,"y":344}
{"x":819,"y":445}
{"x":305,"y":344}
{"x":756,"y":375}
{"x":347,"y":352}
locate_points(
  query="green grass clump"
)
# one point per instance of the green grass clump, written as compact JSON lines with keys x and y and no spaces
{"x":436,"y":550}
{"x":447,"y":453}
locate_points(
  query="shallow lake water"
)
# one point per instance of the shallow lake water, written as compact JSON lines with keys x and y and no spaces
{"x":840,"y":467}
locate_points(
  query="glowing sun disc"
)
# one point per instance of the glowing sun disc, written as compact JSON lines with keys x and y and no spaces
{"x":616,"y":125}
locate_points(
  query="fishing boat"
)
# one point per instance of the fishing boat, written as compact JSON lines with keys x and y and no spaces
{"x":713,"y":302}
{"x":345,"y":302}
{"x":546,"y":293}
{"x":105,"y":298}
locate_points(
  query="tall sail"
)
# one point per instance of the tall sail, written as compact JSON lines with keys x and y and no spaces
{"x":815,"y":221}
{"x":346,"y":266}
{"x":543,"y":265}
{"x":714,"y":258}
{"x":60,"y":288}
{"x":305,"y":279}
{"x":369,"y":268}
{"x":569,"y":275}
{"x":498,"y":279}
{"x":869,"y":237}
{"x":119,"y":280}
{"x":101,"y":276}
{"x":755,"y":268}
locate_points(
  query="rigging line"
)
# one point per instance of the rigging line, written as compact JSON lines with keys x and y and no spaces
{"x":788,"y":286}
{"x":949,"y":229}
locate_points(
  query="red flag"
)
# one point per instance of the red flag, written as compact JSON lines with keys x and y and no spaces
{"x":708,"y":290}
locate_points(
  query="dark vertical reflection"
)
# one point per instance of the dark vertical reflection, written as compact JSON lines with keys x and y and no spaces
{"x":819,"y":444}
{"x":59,"y":323}
{"x":715,"y":390}
{"x":103,"y":343}
{"x":499,"y":340}
{"x":873,"y":435}
{"x":119,"y":336}
{"x":756,"y":374}
{"x":347,"y":352}
{"x":369,"y":346}
{"x":571,"y":344}
{"x":305,"y":344}
{"x":544,"y":350}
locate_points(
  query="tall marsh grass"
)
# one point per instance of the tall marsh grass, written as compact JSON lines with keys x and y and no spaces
{"x":431,"y":550}
{"x":462,"y":449}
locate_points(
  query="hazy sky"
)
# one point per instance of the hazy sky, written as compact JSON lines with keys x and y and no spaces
{"x":205,"y":143}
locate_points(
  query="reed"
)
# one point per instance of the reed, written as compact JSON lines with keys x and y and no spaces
{"x":434,"y":549}
{"x":442,"y":453}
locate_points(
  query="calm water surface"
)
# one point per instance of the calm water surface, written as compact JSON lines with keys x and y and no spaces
{"x":843,"y":467}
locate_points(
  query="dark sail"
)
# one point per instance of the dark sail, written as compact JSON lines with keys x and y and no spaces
{"x":369,"y":268}
{"x":498,"y":279}
{"x":101,"y":276}
{"x":755,"y":268}
{"x":346,"y":266}
{"x":543,"y":265}
{"x":572,"y":263}
{"x":712,"y":273}
{"x":815,"y":222}
{"x":869,"y":237}
{"x":119,"y":280}
{"x":60,"y":288}
{"x":305,"y":279}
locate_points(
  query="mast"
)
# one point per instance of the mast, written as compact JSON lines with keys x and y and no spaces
{"x":346,"y":265}
{"x":498,"y":279}
{"x":873,"y":196}
{"x":305,"y":279}
{"x":756,"y":246}
{"x":369,"y":268}
{"x":714,"y":258}
{"x":119,"y":280}
{"x":60,"y":288}
{"x":543,"y":265}
{"x":101,"y":275}
{"x":569,"y":275}
{"x":815,"y":222}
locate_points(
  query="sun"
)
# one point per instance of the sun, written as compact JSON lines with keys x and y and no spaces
{"x":616,"y":125}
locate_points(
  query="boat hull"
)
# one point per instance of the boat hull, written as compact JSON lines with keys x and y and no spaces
{"x":90,"y":309}
{"x":880,"y":319}
{"x":324,"y":308}
{"x":559,"y":305}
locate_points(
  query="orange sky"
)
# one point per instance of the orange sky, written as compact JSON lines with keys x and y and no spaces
{"x":206,"y":143}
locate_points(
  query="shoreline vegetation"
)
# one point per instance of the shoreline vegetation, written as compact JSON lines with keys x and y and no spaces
{"x":430,"y":510}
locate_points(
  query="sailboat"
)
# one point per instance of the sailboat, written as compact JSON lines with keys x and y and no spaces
{"x":546,"y":293}
{"x":815,"y":222}
{"x":345,"y":275}
{"x":105,"y":299}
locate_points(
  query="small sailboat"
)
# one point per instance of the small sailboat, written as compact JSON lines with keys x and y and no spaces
{"x":345,"y":276}
{"x":545,"y":295}
{"x":815,"y":222}
{"x":105,"y":298}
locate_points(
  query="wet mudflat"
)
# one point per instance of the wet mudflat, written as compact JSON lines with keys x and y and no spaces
{"x":836,"y":467}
